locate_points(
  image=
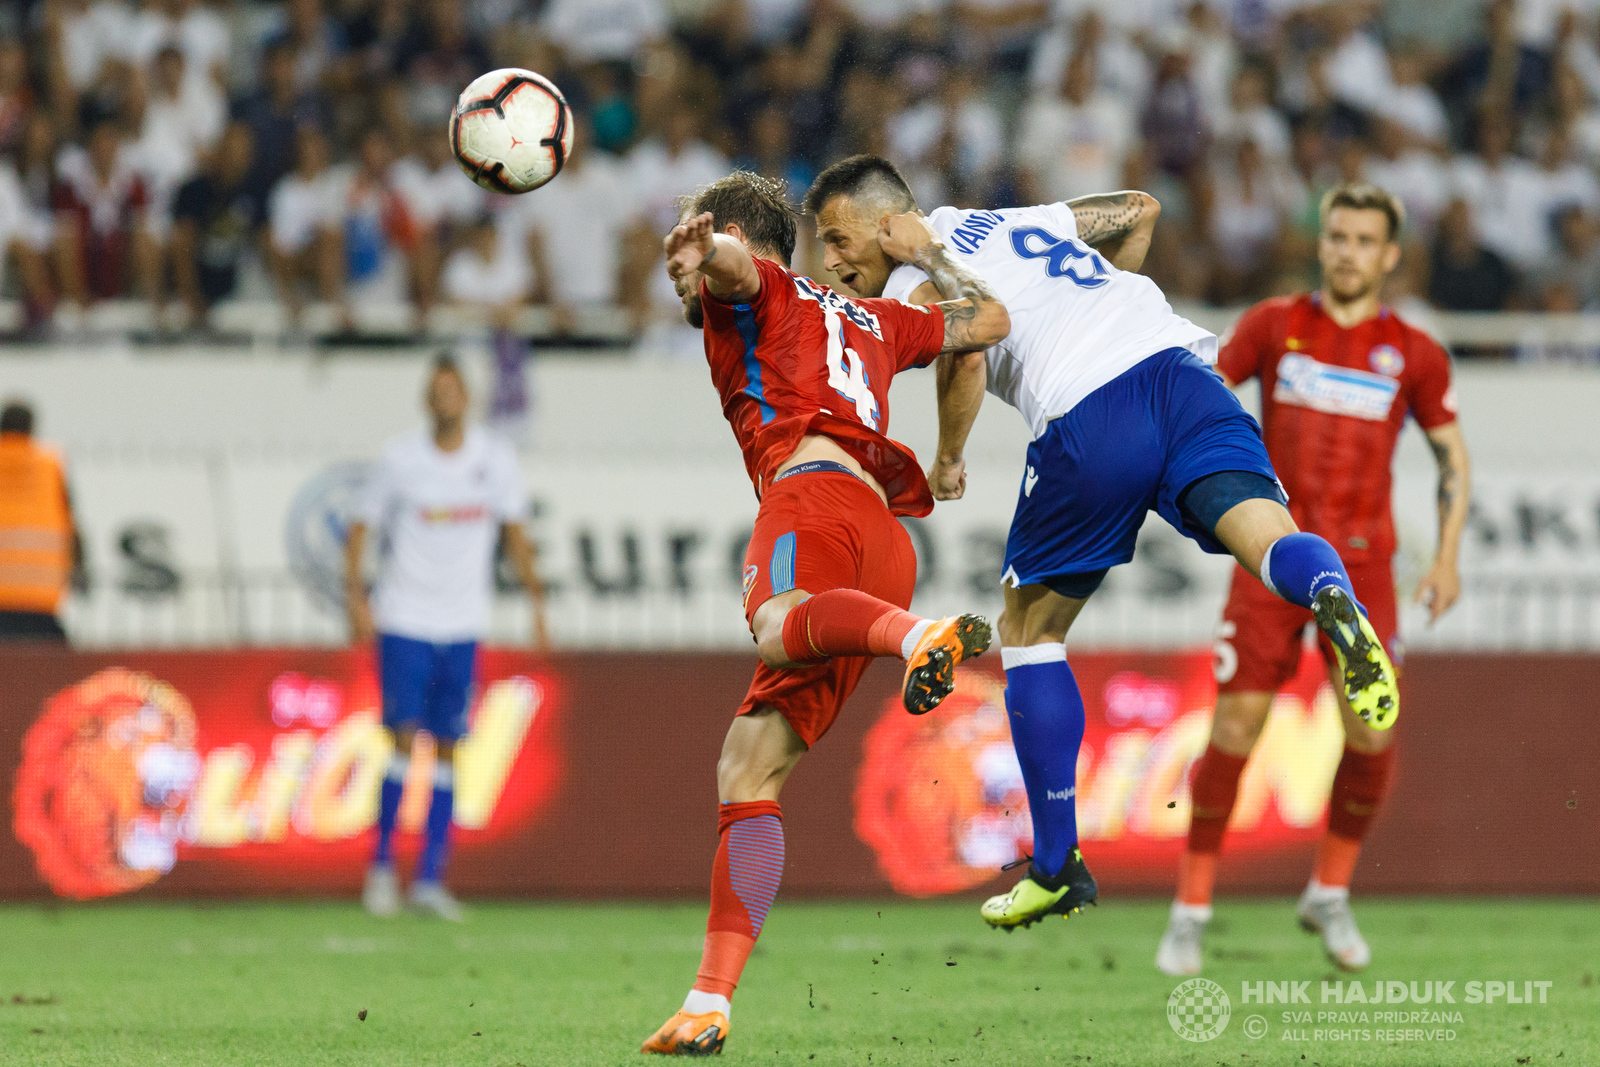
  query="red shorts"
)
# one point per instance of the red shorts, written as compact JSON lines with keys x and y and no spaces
{"x":1258,"y":643}
{"x":820,"y":531}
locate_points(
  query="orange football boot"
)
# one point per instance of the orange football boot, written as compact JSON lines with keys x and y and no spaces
{"x":931,"y":670}
{"x":689,"y":1035}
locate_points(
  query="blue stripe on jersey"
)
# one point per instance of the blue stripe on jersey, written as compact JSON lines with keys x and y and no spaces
{"x":781,"y":570}
{"x":744,"y":320}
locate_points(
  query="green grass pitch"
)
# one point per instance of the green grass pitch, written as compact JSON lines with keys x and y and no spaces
{"x":859,"y":983}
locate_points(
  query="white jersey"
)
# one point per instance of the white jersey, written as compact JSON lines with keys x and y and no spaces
{"x":1077,"y":322}
{"x":438,"y":515}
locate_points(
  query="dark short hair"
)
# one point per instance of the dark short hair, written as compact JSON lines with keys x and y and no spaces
{"x":445,"y":363}
{"x":850,"y":176}
{"x":1364,"y":196}
{"x":759,"y":206}
{"x":16,"y":417}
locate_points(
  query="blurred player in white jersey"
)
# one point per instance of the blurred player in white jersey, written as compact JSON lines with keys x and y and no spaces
{"x":441,"y":499}
{"x":1127,"y":417}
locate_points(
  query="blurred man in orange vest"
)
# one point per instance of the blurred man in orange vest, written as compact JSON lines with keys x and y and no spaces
{"x":39,"y":542}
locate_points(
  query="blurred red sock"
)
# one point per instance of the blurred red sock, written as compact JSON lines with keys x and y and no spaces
{"x":1359,"y":786}
{"x":1213,"y":788}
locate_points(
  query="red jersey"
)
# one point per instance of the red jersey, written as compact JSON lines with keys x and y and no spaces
{"x":1333,"y":402}
{"x":801,"y":359}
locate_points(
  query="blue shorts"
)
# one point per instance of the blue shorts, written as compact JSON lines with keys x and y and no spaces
{"x":1129,"y":447}
{"x":426,"y":686}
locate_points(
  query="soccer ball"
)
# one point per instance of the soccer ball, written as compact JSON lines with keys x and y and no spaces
{"x":511,"y":131}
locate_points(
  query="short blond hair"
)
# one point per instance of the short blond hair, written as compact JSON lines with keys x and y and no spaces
{"x":1364,"y":196}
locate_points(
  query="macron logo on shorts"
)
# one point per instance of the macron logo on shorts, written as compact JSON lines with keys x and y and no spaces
{"x":1028,"y":480}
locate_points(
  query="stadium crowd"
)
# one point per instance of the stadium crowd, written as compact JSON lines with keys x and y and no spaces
{"x":185,"y":153}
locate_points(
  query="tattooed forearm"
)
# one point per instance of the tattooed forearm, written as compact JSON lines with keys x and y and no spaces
{"x":1108,"y":216}
{"x":1447,"y":479}
{"x":970,"y":305}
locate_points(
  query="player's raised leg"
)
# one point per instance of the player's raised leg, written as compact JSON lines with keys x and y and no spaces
{"x":1046,"y":715}
{"x":798,"y":629}
{"x":1303,"y":569}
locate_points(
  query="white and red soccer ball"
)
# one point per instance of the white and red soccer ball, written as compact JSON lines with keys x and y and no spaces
{"x":511,"y":131}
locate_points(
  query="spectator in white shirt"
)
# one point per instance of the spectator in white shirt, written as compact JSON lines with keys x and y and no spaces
{"x":1568,"y":182}
{"x":1250,"y":114}
{"x":489,"y":271}
{"x":183,"y":117}
{"x":574,"y":230}
{"x":614,"y":30}
{"x":658,"y":172}
{"x":1251,"y":202}
{"x":304,"y":216}
{"x":436,"y":190}
{"x":1076,"y":143}
{"x":1505,"y":194}
{"x":949,"y":146}
{"x":1412,"y":173}
{"x":1411,"y":102}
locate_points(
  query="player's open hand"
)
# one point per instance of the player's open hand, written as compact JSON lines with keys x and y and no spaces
{"x":904,"y":237}
{"x":1439,"y":589}
{"x":689,"y":245}
{"x":948,"y":480}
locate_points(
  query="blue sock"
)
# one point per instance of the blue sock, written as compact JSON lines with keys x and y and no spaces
{"x":437,"y":843}
{"x":394,"y":781}
{"x":1046,"y":714}
{"x":1300,"y":565}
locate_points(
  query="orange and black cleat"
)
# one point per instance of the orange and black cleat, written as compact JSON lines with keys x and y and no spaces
{"x":931,"y":670}
{"x":689,"y":1035}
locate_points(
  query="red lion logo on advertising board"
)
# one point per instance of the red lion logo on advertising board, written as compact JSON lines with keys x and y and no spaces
{"x":106,"y":776}
{"x":941,"y":801}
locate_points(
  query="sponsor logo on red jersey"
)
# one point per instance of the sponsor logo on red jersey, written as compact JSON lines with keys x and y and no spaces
{"x":1304,"y":382}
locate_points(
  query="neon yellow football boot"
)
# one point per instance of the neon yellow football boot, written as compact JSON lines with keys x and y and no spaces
{"x":1039,"y":895}
{"x":1369,"y":677}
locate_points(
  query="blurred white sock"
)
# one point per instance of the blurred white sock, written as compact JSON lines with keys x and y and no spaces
{"x":698,"y":1002}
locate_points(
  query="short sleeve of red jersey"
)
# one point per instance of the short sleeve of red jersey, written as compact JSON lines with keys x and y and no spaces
{"x":1244,"y":345}
{"x":1433,"y":395}
{"x":913,"y":332}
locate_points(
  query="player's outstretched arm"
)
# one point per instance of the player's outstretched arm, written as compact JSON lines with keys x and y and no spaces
{"x":724,"y":261}
{"x":1117,"y":225}
{"x":1441,"y":586}
{"x":974,"y":317}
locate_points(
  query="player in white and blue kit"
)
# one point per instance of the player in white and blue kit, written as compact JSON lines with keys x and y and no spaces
{"x":1127,"y":417}
{"x":440,"y":500}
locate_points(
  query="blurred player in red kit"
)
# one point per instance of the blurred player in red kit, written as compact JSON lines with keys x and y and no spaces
{"x":804,"y":377}
{"x":1339,"y":374}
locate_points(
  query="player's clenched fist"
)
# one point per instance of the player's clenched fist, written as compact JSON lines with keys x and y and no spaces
{"x":948,"y":479}
{"x":689,"y":245}
{"x":904,"y":237}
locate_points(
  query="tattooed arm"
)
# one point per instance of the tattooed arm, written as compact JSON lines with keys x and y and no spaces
{"x":1441,"y":586}
{"x":974,"y":319}
{"x":1117,"y":225}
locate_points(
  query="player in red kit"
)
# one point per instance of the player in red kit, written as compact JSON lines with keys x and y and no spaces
{"x":1339,"y":375}
{"x":804,"y":377}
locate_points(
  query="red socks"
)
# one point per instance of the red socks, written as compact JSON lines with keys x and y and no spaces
{"x":744,"y":881}
{"x":844,"y":622}
{"x":1359,"y":786}
{"x":1213,"y":787}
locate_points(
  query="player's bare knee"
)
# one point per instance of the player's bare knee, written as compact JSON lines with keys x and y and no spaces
{"x":1238,"y":721}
